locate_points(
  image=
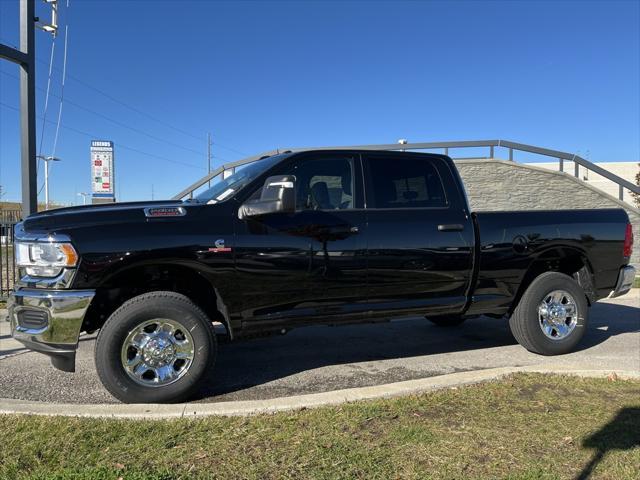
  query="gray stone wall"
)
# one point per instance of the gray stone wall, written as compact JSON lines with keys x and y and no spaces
{"x":502,"y":185}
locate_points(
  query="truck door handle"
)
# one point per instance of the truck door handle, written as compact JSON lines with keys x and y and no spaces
{"x":451,"y":227}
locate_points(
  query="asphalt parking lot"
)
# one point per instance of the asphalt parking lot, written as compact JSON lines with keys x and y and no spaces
{"x":318,"y":359}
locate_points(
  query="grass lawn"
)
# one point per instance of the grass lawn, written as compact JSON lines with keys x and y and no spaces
{"x":525,"y":427}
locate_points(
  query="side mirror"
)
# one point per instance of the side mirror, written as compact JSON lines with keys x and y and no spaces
{"x":278,"y":196}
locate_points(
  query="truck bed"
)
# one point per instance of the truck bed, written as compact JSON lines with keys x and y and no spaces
{"x":508,"y":243}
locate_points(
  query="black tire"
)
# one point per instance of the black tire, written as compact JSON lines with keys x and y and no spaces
{"x":525,"y":322}
{"x":447,"y":320}
{"x":133,"y":313}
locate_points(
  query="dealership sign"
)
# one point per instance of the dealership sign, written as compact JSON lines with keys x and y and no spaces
{"x":102,"y":177}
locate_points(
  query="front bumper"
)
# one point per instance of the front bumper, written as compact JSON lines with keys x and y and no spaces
{"x":49,"y":322}
{"x":626,"y":278}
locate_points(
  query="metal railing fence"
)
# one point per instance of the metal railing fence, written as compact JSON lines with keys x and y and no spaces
{"x":8,"y":272}
{"x":561,"y":157}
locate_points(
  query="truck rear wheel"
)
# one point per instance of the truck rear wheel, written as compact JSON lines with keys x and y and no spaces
{"x":155,"y":348}
{"x":552,"y":315}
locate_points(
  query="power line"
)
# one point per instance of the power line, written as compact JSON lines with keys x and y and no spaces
{"x":141,"y":112}
{"x":145,"y":114}
{"x":120,"y":145}
{"x":119,"y":123}
{"x":54,"y":7}
{"x":149,"y":116}
{"x":134,"y":109}
{"x":64,"y":74}
{"x":46,"y":98}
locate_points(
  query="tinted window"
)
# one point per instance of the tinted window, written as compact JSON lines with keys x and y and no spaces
{"x":404,"y":183}
{"x":324,"y":183}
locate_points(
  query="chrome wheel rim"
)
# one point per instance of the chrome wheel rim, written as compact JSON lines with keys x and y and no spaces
{"x":157,"y":352}
{"x":558,"y":314}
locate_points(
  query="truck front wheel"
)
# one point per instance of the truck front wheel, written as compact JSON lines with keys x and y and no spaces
{"x":552,"y":315}
{"x":155,"y":348}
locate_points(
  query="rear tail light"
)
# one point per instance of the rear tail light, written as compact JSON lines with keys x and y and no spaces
{"x":627,"y":249}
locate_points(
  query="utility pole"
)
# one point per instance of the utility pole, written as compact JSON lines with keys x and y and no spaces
{"x":26,"y":58}
{"x":209,"y":144}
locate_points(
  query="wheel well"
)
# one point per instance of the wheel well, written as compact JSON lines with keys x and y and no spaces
{"x":562,"y":260}
{"x":149,"y":278}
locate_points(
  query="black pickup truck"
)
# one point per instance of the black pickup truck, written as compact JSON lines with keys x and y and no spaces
{"x":323,"y":236}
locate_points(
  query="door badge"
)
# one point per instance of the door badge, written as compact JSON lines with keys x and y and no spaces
{"x":219,"y":247}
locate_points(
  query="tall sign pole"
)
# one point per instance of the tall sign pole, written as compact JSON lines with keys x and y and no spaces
{"x":25,"y":57}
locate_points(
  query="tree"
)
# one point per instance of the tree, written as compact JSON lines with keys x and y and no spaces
{"x":636,"y":196}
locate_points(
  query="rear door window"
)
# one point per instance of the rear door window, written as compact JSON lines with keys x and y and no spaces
{"x":404,"y":182}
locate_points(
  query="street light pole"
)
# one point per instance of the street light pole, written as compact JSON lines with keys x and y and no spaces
{"x":84,"y":196}
{"x":46,"y":160}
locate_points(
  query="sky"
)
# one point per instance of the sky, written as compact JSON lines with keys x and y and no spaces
{"x":156,"y":76}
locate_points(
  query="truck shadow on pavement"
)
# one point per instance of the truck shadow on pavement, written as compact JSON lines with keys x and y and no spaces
{"x":607,"y":320}
{"x":621,"y":433}
{"x":254,"y":363}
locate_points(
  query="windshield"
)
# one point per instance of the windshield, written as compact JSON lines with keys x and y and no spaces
{"x":226,"y":188}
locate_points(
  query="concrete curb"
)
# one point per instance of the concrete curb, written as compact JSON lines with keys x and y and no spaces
{"x":255,"y":407}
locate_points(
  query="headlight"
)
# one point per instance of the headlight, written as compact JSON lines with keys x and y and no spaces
{"x":45,"y":259}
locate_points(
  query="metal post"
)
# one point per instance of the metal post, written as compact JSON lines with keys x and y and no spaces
{"x":446,"y":151}
{"x":620,"y":192}
{"x":576,"y":169}
{"x":491,"y":151}
{"x":28,"y":109}
{"x":561,"y":162}
{"x":511,"y":154}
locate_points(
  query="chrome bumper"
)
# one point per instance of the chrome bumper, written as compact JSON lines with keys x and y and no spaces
{"x":49,"y":321}
{"x":626,"y":278}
